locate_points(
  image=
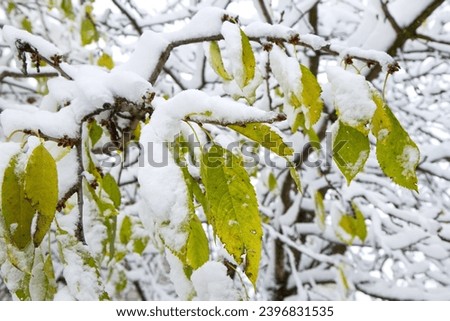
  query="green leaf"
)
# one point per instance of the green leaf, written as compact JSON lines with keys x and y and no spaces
{"x":16,"y":208}
{"x":319,"y":209}
{"x":311,"y":95}
{"x":217,"y":62}
{"x":351,"y":149}
{"x":125,"y":230}
{"x":354,"y":226}
{"x":95,"y":132}
{"x":140,"y":244}
{"x":272,"y":182}
{"x":88,"y":31}
{"x":66,"y":6}
{"x":26,"y":24}
{"x":106,"y":61}
{"x":197,"y":249}
{"x":112,"y":189}
{"x":397,"y":153}
{"x":248,"y":60}
{"x":233,"y":208}
{"x":11,"y":7}
{"x":264,"y":135}
{"x":41,"y":188}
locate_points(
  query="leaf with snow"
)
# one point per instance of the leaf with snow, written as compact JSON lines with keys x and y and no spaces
{"x":264,"y":135}
{"x":17,"y":210}
{"x":217,"y":62}
{"x":233,"y":208}
{"x":41,"y":188}
{"x":351,"y":149}
{"x":397,"y":153}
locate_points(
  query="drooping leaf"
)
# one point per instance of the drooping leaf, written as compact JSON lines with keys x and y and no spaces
{"x":397,"y":153}
{"x":197,"y":250}
{"x":88,"y":31}
{"x":354,"y":226}
{"x":319,"y":209}
{"x":26,"y":24}
{"x":112,"y":189}
{"x":125,"y":230}
{"x":95,"y":132}
{"x":41,"y":188}
{"x":351,"y":149}
{"x":311,"y":95}
{"x":16,"y":208}
{"x":264,"y":135}
{"x":233,"y":209}
{"x":248,"y":60}
{"x":217,"y":62}
{"x":106,"y":61}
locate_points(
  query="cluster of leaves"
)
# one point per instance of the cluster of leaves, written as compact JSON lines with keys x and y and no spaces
{"x":223,"y":189}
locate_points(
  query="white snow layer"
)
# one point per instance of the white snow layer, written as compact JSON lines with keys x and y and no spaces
{"x":211,"y":283}
{"x":91,"y":88}
{"x":167,"y":204}
{"x":352,"y":96}
{"x":45,"y":48}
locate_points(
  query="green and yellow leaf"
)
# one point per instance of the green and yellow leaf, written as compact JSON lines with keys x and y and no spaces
{"x":397,"y":153}
{"x":233,"y":208}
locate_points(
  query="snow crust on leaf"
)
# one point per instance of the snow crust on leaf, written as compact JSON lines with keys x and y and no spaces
{"x":352,"y":97}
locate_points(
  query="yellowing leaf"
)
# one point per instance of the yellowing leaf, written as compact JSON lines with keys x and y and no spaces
{"x":233,"y":208}
{"x":110,"y":186}
{"x":264,"y":135}
{"x":248,"y":60}
{"x":397,"y":153}
{"x":16,"y":208}
{"x":217,"y":62}
{"x":311,"y":95}
{"x":319,"y":210}
{"x":354,"y":226}
{"x":41,"y":188}
{"x":26,"y":24}
{"x":197,"y":249}
{"x":351,"y":149}
{"x":88,"y":31}
{"x":106,"y":61}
